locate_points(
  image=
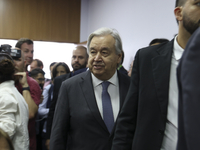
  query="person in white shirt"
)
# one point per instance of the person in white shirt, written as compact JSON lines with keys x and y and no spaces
{"x":14,"y":113}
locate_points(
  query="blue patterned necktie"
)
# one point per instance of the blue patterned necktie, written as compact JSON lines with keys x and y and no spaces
{"x":107,"y":107}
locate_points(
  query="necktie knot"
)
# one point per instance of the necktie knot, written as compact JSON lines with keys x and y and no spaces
{"x":105,"y":85}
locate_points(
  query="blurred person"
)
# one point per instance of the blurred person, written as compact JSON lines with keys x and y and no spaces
{"x":31,"y":92}
{"x":88,"y":103}
{"x":48,"y":96}
{"x":158,"y":41}
{"x":49,"y":81}
{"x":26,"y":45}
{"x":79,"y":58}
{"x":5,"y":141}
{"x":60,"y":68}
{"x":79,"y":62}
{"x":38,"y":75}
{"x":14,"y":113}
{"x":149,"y":117}
{"x":36,"y":63}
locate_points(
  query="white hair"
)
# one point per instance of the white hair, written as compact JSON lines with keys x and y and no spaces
{"x":107,"y":31}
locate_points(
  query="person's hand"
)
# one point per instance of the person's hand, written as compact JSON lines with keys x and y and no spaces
{"x":22,"y":78}
{"x":47,"y":143}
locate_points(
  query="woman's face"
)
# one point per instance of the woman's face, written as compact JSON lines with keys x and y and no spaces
{"x":60,"y":71}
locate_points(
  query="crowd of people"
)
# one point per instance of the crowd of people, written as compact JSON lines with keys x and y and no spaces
{"x":99,"y":105}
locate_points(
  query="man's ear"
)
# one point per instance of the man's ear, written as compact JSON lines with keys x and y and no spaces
{"x":178,"y":13}
{"x":119,"y":58}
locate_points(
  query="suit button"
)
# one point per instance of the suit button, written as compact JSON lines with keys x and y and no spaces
{"x":161,"y":132}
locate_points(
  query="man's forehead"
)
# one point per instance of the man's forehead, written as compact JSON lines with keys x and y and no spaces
{"x":79,"y":51}
{"x":104,"y":41}
{"x":27,"y":46}
{"x":34,"y":63}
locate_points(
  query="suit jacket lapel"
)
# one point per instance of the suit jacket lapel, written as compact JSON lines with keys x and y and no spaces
{"x":161,"y":73}
{"x":88,"y":91}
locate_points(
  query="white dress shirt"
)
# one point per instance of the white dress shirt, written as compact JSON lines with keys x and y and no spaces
{"x":171,"y":135}
{"x":113,"y":90}
{"x":14,"y":115}
{"x":43,"y":110}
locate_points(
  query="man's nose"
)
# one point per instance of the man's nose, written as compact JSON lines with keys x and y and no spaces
{"x":97,"y":57}
{"x":76,"y":59}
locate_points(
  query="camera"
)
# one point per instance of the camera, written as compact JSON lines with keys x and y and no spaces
{"x":14,"y":53}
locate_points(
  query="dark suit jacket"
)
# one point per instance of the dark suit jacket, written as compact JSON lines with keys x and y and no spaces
{"x":77,"y":115}
{"x":141,"y":123}
{"x":188,"y":74}
{"x":57,"y":83}
{"x":123,"y":70}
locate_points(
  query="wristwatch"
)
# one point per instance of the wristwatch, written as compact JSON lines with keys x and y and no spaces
{"x":26,"y":88}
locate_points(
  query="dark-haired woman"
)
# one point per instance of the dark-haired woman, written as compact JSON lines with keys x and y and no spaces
{"x":60,"y":68}
{"x":14,"y":113}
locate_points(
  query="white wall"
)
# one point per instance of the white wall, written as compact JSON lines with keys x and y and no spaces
{"x":84,"y":21}
{"x":138,"y":21}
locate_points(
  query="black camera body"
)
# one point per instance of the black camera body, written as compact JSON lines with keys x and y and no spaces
{"x":14,"y":53}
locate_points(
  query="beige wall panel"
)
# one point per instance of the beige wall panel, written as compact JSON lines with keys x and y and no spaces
{"x":46,"y":20}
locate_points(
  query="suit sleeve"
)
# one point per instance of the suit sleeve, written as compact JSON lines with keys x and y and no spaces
{"x":126,"y":122}
{"x":61,"y":121}
{"x":189,"y":95}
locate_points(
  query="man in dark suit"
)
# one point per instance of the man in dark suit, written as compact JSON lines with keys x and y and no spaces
{"x":89,"y":103}
{"x":148,"y":119}
{"x":189,"y":95}
{"x":79,"y":63}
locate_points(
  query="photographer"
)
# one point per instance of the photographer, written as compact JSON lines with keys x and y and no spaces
{"x":31,"y":92}
{"x":28,"y":87}
{"x":14,"y":109}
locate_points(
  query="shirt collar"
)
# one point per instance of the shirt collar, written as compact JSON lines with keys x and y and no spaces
{"x":178,"y":50}
{"x":113,"y":80}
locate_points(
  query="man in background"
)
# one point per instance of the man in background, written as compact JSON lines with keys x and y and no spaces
{"x":31,"y":92}
{"x":36,"y":63}
{"x":38,"y":75}
{"x":158,"y":41}
{"x":26,"y":45}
